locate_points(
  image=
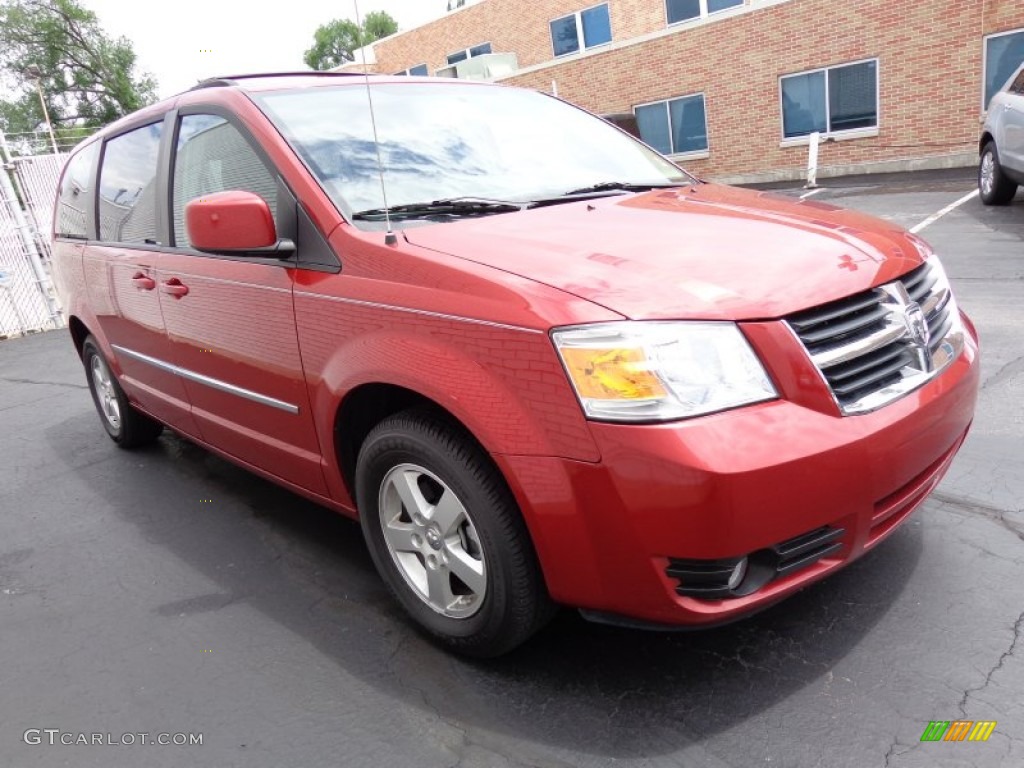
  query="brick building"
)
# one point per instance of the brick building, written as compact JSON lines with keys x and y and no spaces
{"x":732,"y":88}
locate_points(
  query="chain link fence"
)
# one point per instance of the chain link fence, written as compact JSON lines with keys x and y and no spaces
{"x":28,"y":185}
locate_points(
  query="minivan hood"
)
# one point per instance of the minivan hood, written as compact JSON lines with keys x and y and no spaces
{"x":706,"y":252}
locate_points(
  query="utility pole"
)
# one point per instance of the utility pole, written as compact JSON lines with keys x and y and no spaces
{"x":33,"y":73}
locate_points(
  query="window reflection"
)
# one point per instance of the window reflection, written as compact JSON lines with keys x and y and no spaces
{"x":455,"y":140}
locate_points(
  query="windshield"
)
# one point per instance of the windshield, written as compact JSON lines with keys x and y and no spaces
{"x":447,"y":140}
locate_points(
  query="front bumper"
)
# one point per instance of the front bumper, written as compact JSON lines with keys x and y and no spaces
{"x":731,"y":484}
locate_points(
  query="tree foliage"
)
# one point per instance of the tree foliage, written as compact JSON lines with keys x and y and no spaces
{"x":334,"y":42}
{"x":87,"y":78}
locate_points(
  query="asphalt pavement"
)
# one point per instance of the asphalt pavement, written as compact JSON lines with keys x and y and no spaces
{"x":167,"y":592}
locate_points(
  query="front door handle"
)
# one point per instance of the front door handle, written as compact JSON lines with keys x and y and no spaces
{"x":143,"y":282}
{"x":174,"y":287}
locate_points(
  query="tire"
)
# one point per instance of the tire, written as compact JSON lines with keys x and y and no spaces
{"x":994,"y":187}
{"x":457,"y":554}
{"x":126,"y":426}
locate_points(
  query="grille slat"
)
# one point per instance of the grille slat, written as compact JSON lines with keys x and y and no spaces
{"x":943,"y":326}
{"x":843,"y":371}
{"x":870,"y":347}
{"x":877,"y":378}
{"x":807,"y":320}
{"x":920,"y":282}
{"x":842,"y":326}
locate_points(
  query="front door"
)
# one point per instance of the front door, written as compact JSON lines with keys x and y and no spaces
{"x":230,"y":321}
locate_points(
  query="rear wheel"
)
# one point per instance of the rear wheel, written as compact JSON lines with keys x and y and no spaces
{"x":993,"y":185}
{"x":126,"y":426}
{"x":447,"y":536}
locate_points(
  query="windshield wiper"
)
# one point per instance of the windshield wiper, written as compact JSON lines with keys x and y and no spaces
{"x":624,"y":186}
{"x":454,"y":206}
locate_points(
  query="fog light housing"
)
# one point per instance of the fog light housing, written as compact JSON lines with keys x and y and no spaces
{"x":738,"y":574}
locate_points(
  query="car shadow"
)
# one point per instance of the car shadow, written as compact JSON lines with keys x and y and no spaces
{"x":588,"y":688}
{"x":1008,"y":219}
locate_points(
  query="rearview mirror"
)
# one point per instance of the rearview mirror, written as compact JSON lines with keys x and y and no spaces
{"x":234,"y":222}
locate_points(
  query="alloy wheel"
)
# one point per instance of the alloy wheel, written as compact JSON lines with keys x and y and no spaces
{"x":433,"y":541}
{"x":988,"y":173}
{"x":106,"y":394}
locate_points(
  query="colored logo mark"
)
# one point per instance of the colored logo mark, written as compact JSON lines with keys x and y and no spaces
{"x":958,"y":730}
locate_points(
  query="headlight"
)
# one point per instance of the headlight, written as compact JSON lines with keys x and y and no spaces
{"x":657,"y":371}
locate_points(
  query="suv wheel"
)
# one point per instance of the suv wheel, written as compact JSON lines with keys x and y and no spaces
{"x":126,"y":426}
{"x":447,"y":536}
{"x":995,"y":188}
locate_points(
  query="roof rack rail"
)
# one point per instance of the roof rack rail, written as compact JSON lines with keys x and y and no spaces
{"x":227,"y":80}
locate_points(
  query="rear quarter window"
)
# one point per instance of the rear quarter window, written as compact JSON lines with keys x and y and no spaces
{"x":73,"y":196}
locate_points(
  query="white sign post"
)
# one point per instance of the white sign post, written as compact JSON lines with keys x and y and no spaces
{"x":812,"y":160}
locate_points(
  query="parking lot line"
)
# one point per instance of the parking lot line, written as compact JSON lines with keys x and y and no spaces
{"x":936,"y":216}
{"x":814,"y":191}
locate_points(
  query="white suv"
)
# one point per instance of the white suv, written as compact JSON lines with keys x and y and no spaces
{"x":1001,"y":167}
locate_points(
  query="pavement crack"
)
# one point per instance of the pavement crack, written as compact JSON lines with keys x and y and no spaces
{"x":13,"y":380}
{"x":892,"y":749}
{"x":1017,"y":627}
{"x":995,"y":514}
{"x":1007,"y":371}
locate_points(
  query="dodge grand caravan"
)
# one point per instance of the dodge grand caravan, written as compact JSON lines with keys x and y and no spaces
{"x":541,"y":363}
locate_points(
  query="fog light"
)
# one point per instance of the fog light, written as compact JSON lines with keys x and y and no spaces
{"x":738,"y":574}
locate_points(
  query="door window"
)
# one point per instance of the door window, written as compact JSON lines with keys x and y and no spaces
{"x":128,"y":186}
{"x":213,"y":156}
{"x":1018,"y":84}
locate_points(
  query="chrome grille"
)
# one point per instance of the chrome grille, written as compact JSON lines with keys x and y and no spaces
{"x":876,"y":346}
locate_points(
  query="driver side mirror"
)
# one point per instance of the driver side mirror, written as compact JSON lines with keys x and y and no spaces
{"x":234,"y":222}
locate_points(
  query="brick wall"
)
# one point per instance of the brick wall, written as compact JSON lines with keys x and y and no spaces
{"x":511,"y":26}
{"x":929,"y":54}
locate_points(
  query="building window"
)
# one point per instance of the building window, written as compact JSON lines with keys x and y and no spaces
{"x":1003,"y":54}
{"x":684,"y":10}
{"x":675,"y":126}
{"x":469,"y":53}
{"x":581,"y":30}
{"x":420,"y":70}
{"x":831,"y":100}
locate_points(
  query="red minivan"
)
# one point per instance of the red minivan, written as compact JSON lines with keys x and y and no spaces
{"x":541,"y":363}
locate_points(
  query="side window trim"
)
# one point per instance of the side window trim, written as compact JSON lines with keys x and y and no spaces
{"x":164,"y":230}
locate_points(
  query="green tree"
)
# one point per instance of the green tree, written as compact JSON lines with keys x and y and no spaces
{"x":87,"y":78}
{"x":334,"y":42}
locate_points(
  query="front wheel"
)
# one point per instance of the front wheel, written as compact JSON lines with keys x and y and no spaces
{"x":993,"y":185}
{"x":126,"y":426}
{"x":447,"y":536}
